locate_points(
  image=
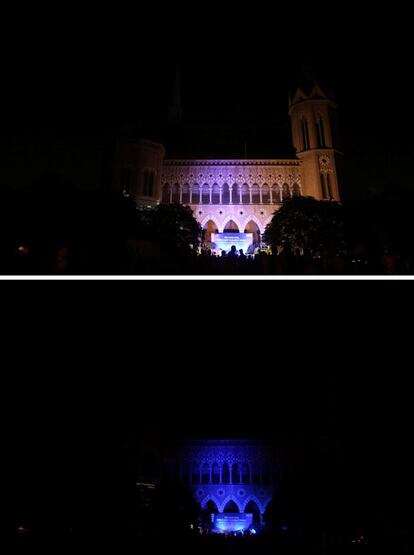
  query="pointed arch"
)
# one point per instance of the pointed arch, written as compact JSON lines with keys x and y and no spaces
{"x":320,"y":131}
{"x":256,"y":220}
{"x":215,"y":473}
{"x":275,"y":193}
{"x":245,"y":193}
{"x":176,"y":193}
{"x":305,"y":133}
{"x":245,"y":473}
{"x":196,"y":192}
{"x":235,"y":194}
{"x":236,"y":473}
{"x":205,"y":194}
{"x":255,"y":509}
{"x":225,"y":194}
{"x":215,"y":194}
{"x":252,"y":499}
{"x":252,"y":227}
{"x":227,"y":500}
{"x":265,"y":193}
{"x":208,"y":498}
{"x":209,"y":228}
{"x":206,"y":219}
{"x":296,"y":190}
{"x":285,"y":192}
{"x":205,"y":473}
{"x":255,"y":194}
{"x":235,"y":220}
{"x":225,"y":473}
{"x":231,"y":507}
{"x":186,"y":193}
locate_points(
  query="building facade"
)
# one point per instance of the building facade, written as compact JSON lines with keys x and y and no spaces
{"x":231,"y":478}
{"x":241,"y":195}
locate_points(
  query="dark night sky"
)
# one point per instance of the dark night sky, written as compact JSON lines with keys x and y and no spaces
{"x":79,"y":383}
{"x":76,"y":71}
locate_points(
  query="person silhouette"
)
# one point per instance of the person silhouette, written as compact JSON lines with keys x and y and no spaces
{"x":233,"y":253}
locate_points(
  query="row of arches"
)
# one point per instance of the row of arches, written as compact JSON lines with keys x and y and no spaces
{"x":236,"y":473}
{"x":232,"y":506}
{"x":228,"y":194}
{"x":231,"y":227}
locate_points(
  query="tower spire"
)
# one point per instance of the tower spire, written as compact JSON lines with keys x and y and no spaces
{"x":312,"y":116}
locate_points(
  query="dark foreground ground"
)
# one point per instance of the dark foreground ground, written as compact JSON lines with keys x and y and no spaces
{"x":164,"y":544}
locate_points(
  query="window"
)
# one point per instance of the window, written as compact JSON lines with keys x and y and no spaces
{"x":324,"y":186}
{"x":225,"y":474}
{"x":176,"y":193}
{"x":255,"y":194}
{"x":205,"y":194}
{"x":225,"y":194}
{"x":166,"y":194}
{"x":235,"y":194}
{"x":275,"y":193}
{"x":320,"y":133}
{"x":329,"y":186}
{"x":285,"y":192}
{"x":215,"y":195}
{"x":245,"y":194}
{"x":215,"y":474}
{"x":196,"y":194}
{"x":265,"y":194}
{"x":148,"y":187}
{"x":205,"y":474}
{"x":305,"y":134}
{"x":186,"y":194}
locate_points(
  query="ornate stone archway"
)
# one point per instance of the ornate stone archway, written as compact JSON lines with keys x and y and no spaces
{"x":235,"y":220}
{"x":208,"y":498}
{"x":226,"y":500}
{"x":253,"y":498}
{"x":255,"y":219}
{"x":207,"y":218}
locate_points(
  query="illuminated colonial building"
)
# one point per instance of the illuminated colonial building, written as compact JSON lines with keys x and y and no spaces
{"x":240,"y":194}
{"x":233,"y":480}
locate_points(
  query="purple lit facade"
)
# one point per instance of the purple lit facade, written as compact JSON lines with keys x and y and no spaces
{"x":233,"y":480}
{"x":240,"y":195}
{"x":231,"y":195}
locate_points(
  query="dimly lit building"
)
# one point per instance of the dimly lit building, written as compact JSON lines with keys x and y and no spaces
{"x":240,"y":195}
{"x":233,"y":480}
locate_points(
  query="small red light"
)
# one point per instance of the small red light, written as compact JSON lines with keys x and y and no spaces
{"x":24,"y":249}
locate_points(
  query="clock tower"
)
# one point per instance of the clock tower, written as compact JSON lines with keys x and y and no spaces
{"x":312,"y":115}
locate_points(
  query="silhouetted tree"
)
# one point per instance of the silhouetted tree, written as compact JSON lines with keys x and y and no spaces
{"x":175,"y":226}
{"x":177,"y":508}
{"x":315,"y":226}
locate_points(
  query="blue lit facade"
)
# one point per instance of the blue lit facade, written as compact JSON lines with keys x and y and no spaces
{"x":228,"y":476}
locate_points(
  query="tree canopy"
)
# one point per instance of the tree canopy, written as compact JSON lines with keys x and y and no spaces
{"x":315,"y":226}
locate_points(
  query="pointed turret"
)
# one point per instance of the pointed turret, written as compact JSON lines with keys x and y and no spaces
{"x":312,"y":115}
